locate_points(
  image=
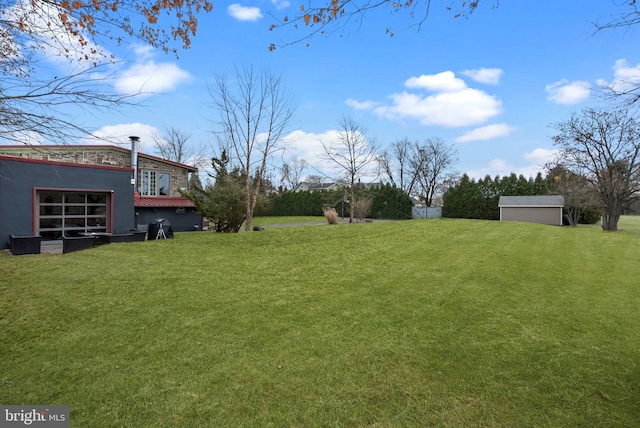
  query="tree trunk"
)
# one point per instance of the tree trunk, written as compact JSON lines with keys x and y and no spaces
{"x":247,"y":201}
{"x":574,"y":215}
{"x":610,"y":216}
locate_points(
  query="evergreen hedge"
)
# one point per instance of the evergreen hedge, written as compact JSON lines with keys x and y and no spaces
{"x":387,"y":202}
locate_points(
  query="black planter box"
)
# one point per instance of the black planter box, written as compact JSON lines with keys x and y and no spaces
{"x":139,"y":235}
{"x":120,"y":237}
{"x":19,"y":245}
{"x":70,"y":245}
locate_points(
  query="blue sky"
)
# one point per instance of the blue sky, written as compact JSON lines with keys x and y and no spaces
{"x":490,"y":85}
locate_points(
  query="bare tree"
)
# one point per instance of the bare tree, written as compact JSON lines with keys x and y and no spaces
{"x":174,"y":145}
{"x":352,"y":152}
{"x":604,"y":147}
{"x":431,"y":164}
{"x":578,"y":192}
{"x":315,"y":179}
{"x":50,"y":57}
{"x":396,"y":165}
{"x":254,"y":112}
{"x":292,"y":172}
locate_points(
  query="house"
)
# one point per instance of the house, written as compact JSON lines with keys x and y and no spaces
{"x":534,"y":209}
{"x":66,"y":190}
{"x":315,"y":187}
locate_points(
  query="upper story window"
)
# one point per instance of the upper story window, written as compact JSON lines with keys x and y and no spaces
{"x":155,"y":183}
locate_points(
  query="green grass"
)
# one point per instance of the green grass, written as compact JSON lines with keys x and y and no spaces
{"x":629,"y":223}
{"x":414,"y":323}
{"x":266,"y":221}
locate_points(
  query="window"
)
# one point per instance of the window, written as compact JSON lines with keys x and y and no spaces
{"x":155,"y":183}
{"x":72,"y":213}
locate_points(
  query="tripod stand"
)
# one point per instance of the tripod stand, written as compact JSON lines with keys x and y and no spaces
{"x":161,"y":234}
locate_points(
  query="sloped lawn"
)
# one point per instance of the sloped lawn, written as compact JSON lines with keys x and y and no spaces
{"x":411,"y":323}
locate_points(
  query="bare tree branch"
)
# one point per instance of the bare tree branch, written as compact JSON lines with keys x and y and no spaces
{"x":326,"y":17}
{"x":38,"y":108}
{"x":174,"y":145}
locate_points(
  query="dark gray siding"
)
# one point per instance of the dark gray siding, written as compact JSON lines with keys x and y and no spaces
{"x":18,"y":179}
{"x":179,"y":222}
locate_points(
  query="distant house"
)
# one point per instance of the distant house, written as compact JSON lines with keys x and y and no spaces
{"x":533,"y":209}
{"x":315,"y":187}
{"x":67,"y":190}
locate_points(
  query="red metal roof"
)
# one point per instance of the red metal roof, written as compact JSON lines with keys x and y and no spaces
{"x":163,"y":202}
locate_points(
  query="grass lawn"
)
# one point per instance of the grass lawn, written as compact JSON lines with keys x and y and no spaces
{"x":411,"y":323}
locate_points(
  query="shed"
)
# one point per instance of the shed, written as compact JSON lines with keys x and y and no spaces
{"x":545,"y":209}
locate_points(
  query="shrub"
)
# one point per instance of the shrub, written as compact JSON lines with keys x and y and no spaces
{"x":331,"y":215}
{"x":390,"y":202}
{"x":300,"y":203}
{"x":361,"y":208}
{"x":590,"y":216}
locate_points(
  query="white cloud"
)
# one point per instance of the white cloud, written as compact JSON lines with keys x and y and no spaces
{"x":441,"y":82}
{"x":119,"y":135}
{"x":625,"y":77}
{"x":453,"y":103}
{"x":450,"y":109}
{"x":484,"y":133}
{"x":489,"y":76}
{"x":150,"y":77}
{"x":280,"y":4}
{"x":244,"y":13}
{"x":539,"y":157}
{"x":361,"y":105}
{"x":565,"y":92}
{"x":308,"y":146}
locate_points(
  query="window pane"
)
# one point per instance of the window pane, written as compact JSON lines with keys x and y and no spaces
{"x":98,"y":210}
{"x":74,"y":198}
{"x":97,"y":222}
{"x":50,"y":223}
{"x":50,"y":210}
{"x":96,"y":198}
{"x":74,"y":210}
{"x":148,"y":183}
{"x":74,"y":222}
{"x":163,"y":183}
{"x":50,"y":197}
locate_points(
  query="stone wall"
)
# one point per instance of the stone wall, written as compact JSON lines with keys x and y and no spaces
{"x":179,"y":176}
{"x":103,"y":156}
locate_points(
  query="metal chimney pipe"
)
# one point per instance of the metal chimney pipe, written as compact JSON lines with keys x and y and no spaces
{"x":134,"y":159}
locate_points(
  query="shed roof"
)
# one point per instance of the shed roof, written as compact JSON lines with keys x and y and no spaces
{"x":531,"y":201}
